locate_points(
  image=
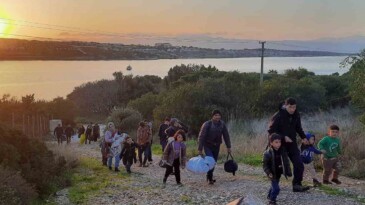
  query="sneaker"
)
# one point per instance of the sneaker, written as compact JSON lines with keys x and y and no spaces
{"x":179,"y":184}
{"x":129,"y":171}
{"x":110,"y":168}
{"x":164,"y":180}
{"x":116,"y":169}
{"x":211,"y":182}
{"x":336,"y":181}
{"x":145,"y":165}
{"x":326,"y":182}
{"x":299,"y":188}
{"x":316,"y":183}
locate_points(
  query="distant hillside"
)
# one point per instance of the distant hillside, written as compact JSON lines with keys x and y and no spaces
{"x":16,"y":49}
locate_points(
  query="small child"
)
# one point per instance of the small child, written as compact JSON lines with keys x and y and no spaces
{"x":306,"y":154}
{"x":128,"y":153}
{"x":331,"y":147}
{"x":175,"y":156}
{"x":275,"y":163}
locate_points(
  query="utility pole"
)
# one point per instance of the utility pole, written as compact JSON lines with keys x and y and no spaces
{"x":262,"y":61}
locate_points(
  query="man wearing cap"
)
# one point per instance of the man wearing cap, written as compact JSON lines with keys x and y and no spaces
{"x":210,"y":139}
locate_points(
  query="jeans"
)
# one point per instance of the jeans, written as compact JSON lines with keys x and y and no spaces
{"x":143,"y":149}
{"x":211,"y":151}
{"x":116,"y":163}
{"x":274,"y":189}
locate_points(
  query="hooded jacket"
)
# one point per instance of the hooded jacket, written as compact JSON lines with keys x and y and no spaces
{"x":306,"y":151}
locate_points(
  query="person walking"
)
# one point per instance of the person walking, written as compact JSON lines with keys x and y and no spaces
{"x":287,"y":123}
{"x":69,"y":131}
{"x":58,"y":132}
{"x":210,"y":139}
{"x":143,"y":140}
{"x":162,"y":134}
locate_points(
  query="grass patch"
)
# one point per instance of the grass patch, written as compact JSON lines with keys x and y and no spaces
{"x":156,"y":149}
{"x":338,"y":192}
{"x":89,"y":178}
{"x":251,"y":159}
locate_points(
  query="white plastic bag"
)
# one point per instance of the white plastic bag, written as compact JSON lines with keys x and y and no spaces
{"x":197,"y":165}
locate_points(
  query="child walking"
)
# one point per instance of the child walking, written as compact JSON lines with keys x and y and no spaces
{"x":275,"y":163}
{"x":175,"y":156}
{"x":128,"y":153}
{"x":307,"y":151}
{"x":332,"y":146}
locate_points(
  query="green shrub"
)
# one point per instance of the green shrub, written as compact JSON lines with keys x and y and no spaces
{"x":125,"y":118}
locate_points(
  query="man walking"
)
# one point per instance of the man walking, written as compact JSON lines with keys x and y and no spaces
{"x":210,"y":138}
{"x":286,"y":122}
{"x":58,"y":132}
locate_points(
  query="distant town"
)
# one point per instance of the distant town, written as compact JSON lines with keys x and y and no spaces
{"x":18,"y":49}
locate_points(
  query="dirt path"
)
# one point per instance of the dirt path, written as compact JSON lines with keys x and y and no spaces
{"x":144,"y":186}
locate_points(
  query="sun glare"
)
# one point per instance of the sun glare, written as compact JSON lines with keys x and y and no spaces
{"x":4,"y":25}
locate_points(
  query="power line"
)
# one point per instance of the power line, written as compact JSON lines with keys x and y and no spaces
{"x":88,"y":31}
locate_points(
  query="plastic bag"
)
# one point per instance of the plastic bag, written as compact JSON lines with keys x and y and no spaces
{"x":210,"y":162}
{"x":82,"y":139}
{"x":197,"y":165}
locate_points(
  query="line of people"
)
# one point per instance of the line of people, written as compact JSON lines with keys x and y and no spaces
{"x":282,"y":148}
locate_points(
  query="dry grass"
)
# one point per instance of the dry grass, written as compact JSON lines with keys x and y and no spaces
{"x":66,"y":153}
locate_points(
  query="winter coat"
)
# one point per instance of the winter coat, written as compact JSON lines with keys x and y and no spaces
{"x":270,"y":166}
{"x":169,"y":154}
{"x":69,"y":131}
{"x":284,"y":124}
{"x":211,"y":134}
{"x":162,"y":134}
{"x":144,"y":136}
{"x":58,"y":131}
{"x":128,"y":151}
{"x":306,"y":153}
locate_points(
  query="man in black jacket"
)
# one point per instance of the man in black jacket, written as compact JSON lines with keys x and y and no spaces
{"x":69,"y":131}
{"x":58,"y":132}
{"x":162,"y":134}
{"x":286,"y":122}
{"x":210,"y":138}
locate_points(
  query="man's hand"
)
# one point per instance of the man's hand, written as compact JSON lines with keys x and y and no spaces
{"x":229,"y":150}
{"x":288,"y":140}
{"x":270,"y":176}
{"x":323,"y":151}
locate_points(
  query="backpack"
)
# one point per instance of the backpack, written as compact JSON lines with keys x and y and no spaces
{"x":230,"y":166}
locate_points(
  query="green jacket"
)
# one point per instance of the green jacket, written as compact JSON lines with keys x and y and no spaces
{"x":331,"y":145}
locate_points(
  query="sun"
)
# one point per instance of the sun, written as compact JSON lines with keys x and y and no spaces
{"x":5,"y":25}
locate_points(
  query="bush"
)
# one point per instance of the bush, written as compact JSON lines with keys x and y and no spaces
{"x":125,"y":118}
{"x":38,"y":166}
{"x":14,"y":189}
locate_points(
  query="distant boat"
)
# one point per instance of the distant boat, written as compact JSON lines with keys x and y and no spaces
{"x":129,"y":68}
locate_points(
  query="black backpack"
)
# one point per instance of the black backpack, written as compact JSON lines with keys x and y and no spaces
{"x":230,"y":165}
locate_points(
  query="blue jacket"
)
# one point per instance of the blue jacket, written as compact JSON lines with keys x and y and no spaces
{"x":307,"y":153}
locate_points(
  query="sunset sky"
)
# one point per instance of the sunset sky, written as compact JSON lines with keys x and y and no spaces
{"x":141,"y":20}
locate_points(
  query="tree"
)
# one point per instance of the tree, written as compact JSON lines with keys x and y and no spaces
{"x":357,"y":72}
